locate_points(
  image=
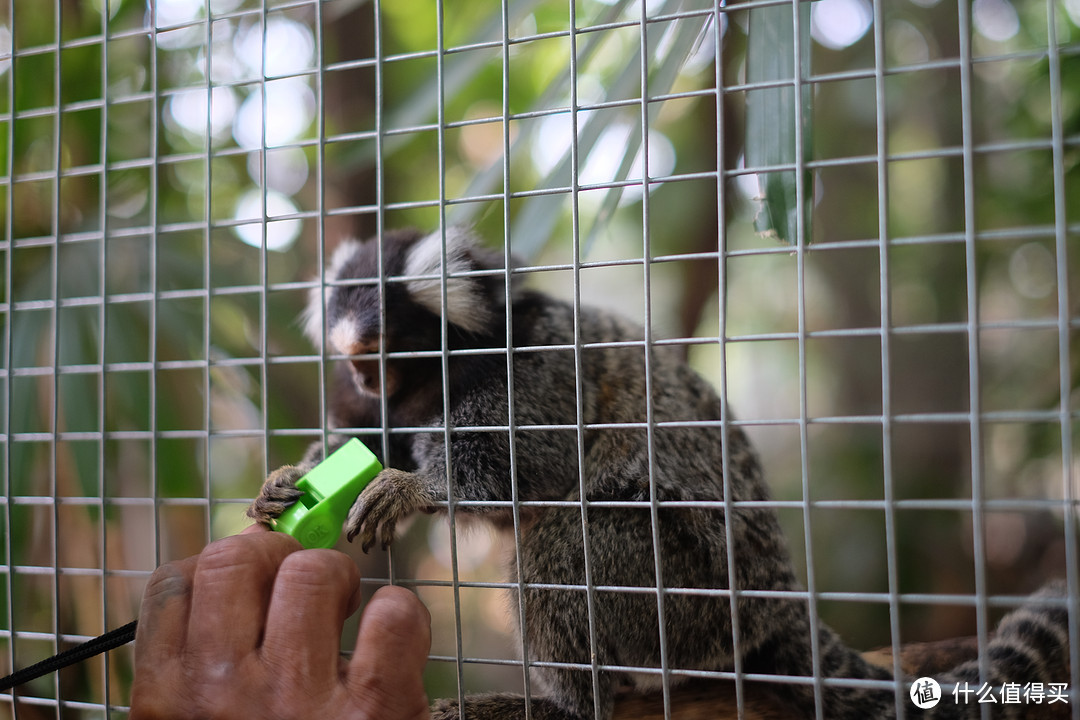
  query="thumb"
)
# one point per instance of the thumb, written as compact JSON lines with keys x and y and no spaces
{"x":385,"y":674}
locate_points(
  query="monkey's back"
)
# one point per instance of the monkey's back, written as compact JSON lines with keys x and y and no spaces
{"x":675,"y":442}
{"x":637,"y":455}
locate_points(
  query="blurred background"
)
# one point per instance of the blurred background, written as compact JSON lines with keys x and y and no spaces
{"x":174,"y":172}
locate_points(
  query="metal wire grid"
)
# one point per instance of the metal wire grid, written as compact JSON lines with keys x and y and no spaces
{"x":54,"y":436}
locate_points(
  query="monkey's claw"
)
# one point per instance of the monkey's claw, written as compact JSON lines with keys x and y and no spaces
{"x":390,"y":497}
{"x":277,"y":494}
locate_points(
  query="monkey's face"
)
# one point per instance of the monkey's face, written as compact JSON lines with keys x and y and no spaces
{"x":389,"y":320}
{"x":378,"y":321}
{"x":353,"y":326}
{"x":409,"y":339}
{"x":364,"y":370}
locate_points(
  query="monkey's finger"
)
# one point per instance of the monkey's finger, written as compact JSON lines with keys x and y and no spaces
{"x":314,"y":592}
{"x":367,"y":539}
{"x":367,"y":518}
{"x":387,"y":533}
{"x":355,"y":522}
{"x":372,"y":522}
{"x":231,"y":593}
{"x":277,"y":493}
{"x":266,"y":509}
{"x":284,"y":478}
{"x":395,"y":632}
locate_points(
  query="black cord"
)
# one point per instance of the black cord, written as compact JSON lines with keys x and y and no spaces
{"x":102,"y":643}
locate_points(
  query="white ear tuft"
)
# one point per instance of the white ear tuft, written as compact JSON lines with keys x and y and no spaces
{"x":312,"y":317}
{"x":345,"y":250}
{"x":465,"y":302}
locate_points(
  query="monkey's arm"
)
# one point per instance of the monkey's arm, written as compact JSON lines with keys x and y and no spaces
{"x":479,"y":460}
{"x":481,"y":472}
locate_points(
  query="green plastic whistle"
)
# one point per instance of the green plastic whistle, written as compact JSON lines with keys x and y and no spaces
{"x":329,"y":491}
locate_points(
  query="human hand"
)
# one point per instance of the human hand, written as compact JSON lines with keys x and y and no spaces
{"x":251,"y":628}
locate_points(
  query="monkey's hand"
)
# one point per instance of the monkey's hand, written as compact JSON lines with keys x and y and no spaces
{"x":277,"y":494}
{"x":391,"y":496}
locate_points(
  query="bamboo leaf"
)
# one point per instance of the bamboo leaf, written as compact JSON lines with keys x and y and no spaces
{"x":684,"y":44}
{"x":544,"y":209}
{"x":422,"y":105}
{"x":772,"y":115}
{"x":534,"y":224}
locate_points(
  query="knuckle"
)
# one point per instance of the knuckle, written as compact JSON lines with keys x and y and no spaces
{"x":317,"y":571}
{"x":167,"y":581}
{"x":151,"y":706}
{"x":251,"y":556}
{"x":223,"y":554}
{"x":213,"y":692}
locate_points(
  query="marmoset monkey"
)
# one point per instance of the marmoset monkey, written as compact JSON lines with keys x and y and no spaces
{"x":628,"y":428}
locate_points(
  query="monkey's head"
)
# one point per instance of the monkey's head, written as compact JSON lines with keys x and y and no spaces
{"x":410,"y":285}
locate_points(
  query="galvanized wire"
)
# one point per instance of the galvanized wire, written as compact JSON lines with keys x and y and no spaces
{"x":1061,"y":252}
{"x":9,"y":359}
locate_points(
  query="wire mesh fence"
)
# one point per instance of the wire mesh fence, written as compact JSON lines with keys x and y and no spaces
{"x":176,"y":173}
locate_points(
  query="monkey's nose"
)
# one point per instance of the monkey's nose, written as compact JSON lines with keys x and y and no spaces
{"x":366,"y":373}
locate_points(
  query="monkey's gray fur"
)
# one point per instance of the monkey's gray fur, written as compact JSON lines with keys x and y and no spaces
{"x":605,"y":385}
